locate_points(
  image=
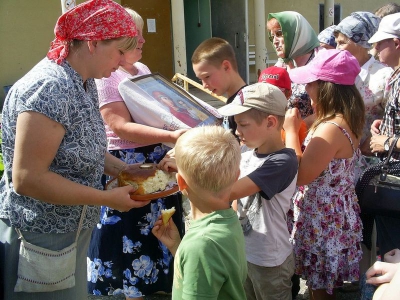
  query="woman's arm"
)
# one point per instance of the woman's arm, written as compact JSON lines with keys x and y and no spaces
{"x":113,"y":165}
{"x":37,"y":141}
{"x":117,"y":116}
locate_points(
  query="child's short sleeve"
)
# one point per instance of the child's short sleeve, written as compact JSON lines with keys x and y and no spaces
{"x":276,"y":173}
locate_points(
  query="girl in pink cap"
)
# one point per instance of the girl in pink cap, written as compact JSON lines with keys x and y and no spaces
{"x":327,"y":226}
{"x":54,"y":149}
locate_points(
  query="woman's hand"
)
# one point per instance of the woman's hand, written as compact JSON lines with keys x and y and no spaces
{"x":167,"y":234}
{"x":377,"y":143}
{"x":120,"y":199}
{"x":177,"y":133}
{"x":375,"y":127}
{"x":381,"y":272}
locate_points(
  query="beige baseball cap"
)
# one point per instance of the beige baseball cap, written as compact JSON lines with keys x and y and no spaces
{"x":261,"y":96}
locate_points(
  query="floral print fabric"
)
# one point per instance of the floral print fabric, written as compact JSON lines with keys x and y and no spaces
{"x":124,"y":257}
{"x":327,"y":226}
{"x":371,"y":83}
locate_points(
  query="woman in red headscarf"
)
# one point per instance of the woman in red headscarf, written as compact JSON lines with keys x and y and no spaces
{"x":54,"y":151}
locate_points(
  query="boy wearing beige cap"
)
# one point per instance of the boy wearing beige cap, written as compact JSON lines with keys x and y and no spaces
{"x":263,"y":193}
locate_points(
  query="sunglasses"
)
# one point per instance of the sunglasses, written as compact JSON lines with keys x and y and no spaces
{"x":278,"y":34}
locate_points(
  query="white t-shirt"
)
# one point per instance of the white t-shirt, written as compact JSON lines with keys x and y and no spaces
{"x":263,"y":215}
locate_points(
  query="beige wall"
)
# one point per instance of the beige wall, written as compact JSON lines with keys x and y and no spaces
{"x":26,"y":30}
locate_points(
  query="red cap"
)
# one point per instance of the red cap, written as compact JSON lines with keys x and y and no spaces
{"x":276,"y":76}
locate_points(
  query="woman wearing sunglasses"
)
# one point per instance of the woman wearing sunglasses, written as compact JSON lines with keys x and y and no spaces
{"x":296,"y":44}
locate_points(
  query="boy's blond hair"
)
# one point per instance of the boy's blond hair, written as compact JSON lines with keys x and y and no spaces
{"x":214,"y":51}
{"x":209,"y":157}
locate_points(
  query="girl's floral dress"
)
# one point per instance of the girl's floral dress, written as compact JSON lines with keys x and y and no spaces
{"x":327,"y":226}
{"x":124,"y":257}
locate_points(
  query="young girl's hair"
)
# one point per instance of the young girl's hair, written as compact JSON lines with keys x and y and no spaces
{"x":336,"y":99}
{"x":214,"y":51}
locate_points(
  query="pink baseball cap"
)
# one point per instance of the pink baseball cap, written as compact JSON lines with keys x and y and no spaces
{"x":276,"y":76}
{"x":336,"y":66}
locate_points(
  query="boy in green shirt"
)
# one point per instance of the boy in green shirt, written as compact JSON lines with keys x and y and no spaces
{"x":210,"y":261}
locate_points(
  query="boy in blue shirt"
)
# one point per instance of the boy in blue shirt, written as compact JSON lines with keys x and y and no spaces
{"x":268,"y":174}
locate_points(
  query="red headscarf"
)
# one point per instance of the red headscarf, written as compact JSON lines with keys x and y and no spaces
{"x":91,"y":20}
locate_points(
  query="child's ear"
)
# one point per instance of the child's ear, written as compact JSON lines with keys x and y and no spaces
{"x":226,"y":65}
{"x":271,"y":121}
{"x":181,"y":182}
{"x":397,"y":43}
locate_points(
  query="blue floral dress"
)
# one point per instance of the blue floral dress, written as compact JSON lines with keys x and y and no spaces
{"x":124,"y":257}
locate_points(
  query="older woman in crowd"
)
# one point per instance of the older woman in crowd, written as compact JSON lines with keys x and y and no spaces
{"x":296,"y":44}
{"x":352,"y":34}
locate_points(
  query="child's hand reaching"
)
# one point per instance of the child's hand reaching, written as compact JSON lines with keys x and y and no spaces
{"x":292,"y":120}
{"x":167,"y":234}
{"x":168,"y":164}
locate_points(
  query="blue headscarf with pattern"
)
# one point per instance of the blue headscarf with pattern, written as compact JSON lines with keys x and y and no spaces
{"x":360,"y":26}
{"x":326,"y":36}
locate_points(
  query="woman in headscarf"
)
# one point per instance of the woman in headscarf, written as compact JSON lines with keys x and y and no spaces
{"x":54,"y":150}
{"x":296,"y":44}
{"x":352,"y":34}
{"x":327,"y":38}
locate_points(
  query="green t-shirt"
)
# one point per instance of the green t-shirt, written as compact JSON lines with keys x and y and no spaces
{"x":210,"y":262}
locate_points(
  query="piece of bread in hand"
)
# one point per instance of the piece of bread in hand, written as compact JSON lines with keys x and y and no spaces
{"x":167,"y":214}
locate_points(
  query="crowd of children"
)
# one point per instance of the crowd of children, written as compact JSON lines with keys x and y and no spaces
{"x":299,"y":172}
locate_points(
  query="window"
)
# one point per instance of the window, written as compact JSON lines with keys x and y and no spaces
{"x":336,"y":19}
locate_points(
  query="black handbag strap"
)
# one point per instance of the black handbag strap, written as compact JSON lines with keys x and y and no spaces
{"x":385,"y":166}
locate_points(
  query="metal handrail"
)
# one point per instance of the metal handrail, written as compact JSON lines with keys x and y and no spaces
{"x":187,"y":81}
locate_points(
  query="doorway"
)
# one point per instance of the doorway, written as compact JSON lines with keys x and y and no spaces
{"x":157,"y":31}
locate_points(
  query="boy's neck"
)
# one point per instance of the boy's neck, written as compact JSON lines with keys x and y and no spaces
{"x":202,"y":205}
{"x":272,"y":144}
{"x":237,"y":84}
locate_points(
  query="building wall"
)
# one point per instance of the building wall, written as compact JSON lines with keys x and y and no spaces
{"x":26,"y":29}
